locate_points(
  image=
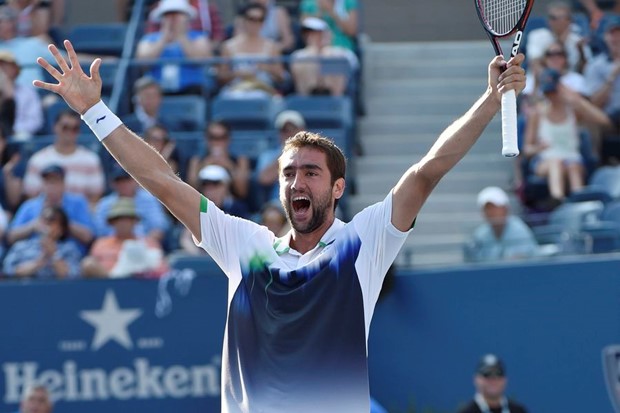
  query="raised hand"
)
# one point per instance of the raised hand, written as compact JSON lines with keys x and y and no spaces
{"x":79,"y":90}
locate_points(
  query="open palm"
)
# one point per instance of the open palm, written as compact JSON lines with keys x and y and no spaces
{"x":79,"y":90}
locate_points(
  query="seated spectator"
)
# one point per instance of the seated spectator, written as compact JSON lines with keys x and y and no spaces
{"x":288,"y":123}
{"x":503,"y":236}
{"x":596,"y":11}
{"x":276,"y":27}
{"x":35,"y":17}
{"x":552,"y":135}
{"x":123,"y":254}
{"x":158,"y":137}
{"x":307,"y":68}
{"x":25,"y":49}
{"x":249,"y":74}
{"x":84,"y":173}
{"x":11,"y":179}
{"x":206,"y":20}
{"x":51,"y":253}
{"x":175,"y":40}
{"x":215,"y":184}
{"x":560,"y":28}
{"x":28,"y":113}
{"x":27,"y":224}
{"x":601,"y":75}
{"x":153,"y":221}
{"x":341,"y":16}
{"x":217,"y":136}
{"x":554,"y":58}
{"x":272,"y":216}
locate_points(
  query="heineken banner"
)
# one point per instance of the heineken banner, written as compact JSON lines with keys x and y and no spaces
{"x":115,"y":346}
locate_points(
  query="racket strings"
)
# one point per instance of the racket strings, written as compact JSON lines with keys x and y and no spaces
{"x":502,"y":16}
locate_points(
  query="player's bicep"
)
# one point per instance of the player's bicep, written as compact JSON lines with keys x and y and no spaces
{"x":409,"y":195}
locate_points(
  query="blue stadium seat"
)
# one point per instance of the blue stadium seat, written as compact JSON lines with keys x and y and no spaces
{"x":611,"y":212}
{"x":101,"y":39}
{"x":252,"y":142}
{"x":188,"y":112}
{"x":573,"y":215}
{"x":246,"y":114}
{"x":323,"y":112}
{"x":601,"y":237}
{"x":589,"y":193}
{"x":188,"y":144}
{"x":607,"y":178}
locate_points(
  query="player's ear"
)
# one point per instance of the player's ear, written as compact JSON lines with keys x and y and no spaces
{"x":338,"y":188}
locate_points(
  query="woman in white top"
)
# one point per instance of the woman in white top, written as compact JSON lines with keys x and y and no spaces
{"x":552,"y":135}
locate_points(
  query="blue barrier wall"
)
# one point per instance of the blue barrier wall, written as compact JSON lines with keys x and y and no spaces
{"x":140,"y":346}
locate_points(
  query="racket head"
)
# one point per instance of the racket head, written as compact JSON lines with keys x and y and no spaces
{"x":501,"y":18}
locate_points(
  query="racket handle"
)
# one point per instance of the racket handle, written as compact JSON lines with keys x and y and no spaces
{"x":510,"y":144}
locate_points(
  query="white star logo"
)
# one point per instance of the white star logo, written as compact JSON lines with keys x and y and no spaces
{"x":111,"y":322}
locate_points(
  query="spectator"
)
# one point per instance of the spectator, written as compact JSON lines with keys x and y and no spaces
{"x":215,"y":184}
{"x":276,"y":27}
{"x":248,"y":74}
{"x":490,"y":382}
{"x":35,"y":17}
{"x":602,"y":83}
{"x":595,"y":12}
{"x":206,"y":20}
{"x":552,"y":139}
{"x":153,"y":221}
{"x":288,"y":123}
{"x":503,"y":236}
{"x":555,"y":58}
{"x":158,"y":137}
{"x":11,"y":178}
{"x":123,"y":254}
{"x":272,"y":216}
{"x":28,"y":115}
{"x":307,"y":68}
{"x":25,"y":49}
{"x":341,"y":17}
{"x":147,"y":112}
{"x":36,"y":399}
{"x":27,"y":223}
{"x":175,"y":40}
{"x":561,"y":28}
{"x":51,"y":253}
{"x":217,"y":137}
{"x":84,"y":173}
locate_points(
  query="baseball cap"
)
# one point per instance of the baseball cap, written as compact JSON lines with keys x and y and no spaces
{"x":123,"y":208}
{"x":314,"y":24}
{"x":612,"y":22}
{"x":8,"y":57}
{"x":290,"y":116}
{"x":53,"y":169}
{"x":493,"y":195}
{"x":214,"y":173}
{"x":491,"y":365}
{"x":169,"y":6}
{"x":548,"y":80}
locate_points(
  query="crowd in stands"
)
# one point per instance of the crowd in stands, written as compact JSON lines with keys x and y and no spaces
{"x":68,"y":210}
{"x":566,"y":178}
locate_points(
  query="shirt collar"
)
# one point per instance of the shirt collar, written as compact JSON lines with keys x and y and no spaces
{"x":282,"y":245}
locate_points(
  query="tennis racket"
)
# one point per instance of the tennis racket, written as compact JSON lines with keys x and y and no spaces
{"x":500,"y":19}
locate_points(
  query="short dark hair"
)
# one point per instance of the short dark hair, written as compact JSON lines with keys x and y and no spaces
{"x":249,"y":6}
{"x":58,"y":212}
{"x":66,"y":112}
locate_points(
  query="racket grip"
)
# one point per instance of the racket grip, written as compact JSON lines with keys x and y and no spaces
{"x":510,"y":143}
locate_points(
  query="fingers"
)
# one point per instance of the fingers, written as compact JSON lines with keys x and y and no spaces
{"x":50,"y":69}
{"x":94,"y":70}
{"x":75,"y":63}
{"x":46,"y":86}
{"x":516,"y":60}
{"x":59,"y":59}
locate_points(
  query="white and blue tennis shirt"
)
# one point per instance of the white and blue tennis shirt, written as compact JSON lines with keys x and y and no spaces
{"x":297,"y":329}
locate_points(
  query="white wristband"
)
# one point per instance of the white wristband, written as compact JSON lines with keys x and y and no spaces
{"x":101,"y":120}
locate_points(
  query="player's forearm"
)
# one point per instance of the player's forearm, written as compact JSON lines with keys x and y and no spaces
{"x":459,"y":137}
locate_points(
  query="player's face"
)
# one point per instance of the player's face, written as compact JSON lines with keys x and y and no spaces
{"x":306,"y":191}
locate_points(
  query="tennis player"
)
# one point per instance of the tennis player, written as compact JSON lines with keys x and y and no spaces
{"x":299,"y":307}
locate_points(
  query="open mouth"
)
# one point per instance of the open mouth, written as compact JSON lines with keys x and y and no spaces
{"x":300,"y":204}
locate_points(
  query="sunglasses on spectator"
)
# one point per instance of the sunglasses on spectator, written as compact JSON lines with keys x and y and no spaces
{"x":221,"y":137}
{"x":555,"y":53}
{"x":491,"y":374}
{"x":70,"y":128}
{"x":556,"y":17}
{"x":255,"y":19}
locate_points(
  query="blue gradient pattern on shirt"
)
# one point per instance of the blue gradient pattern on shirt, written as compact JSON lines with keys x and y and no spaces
{"x":296,"y":340}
